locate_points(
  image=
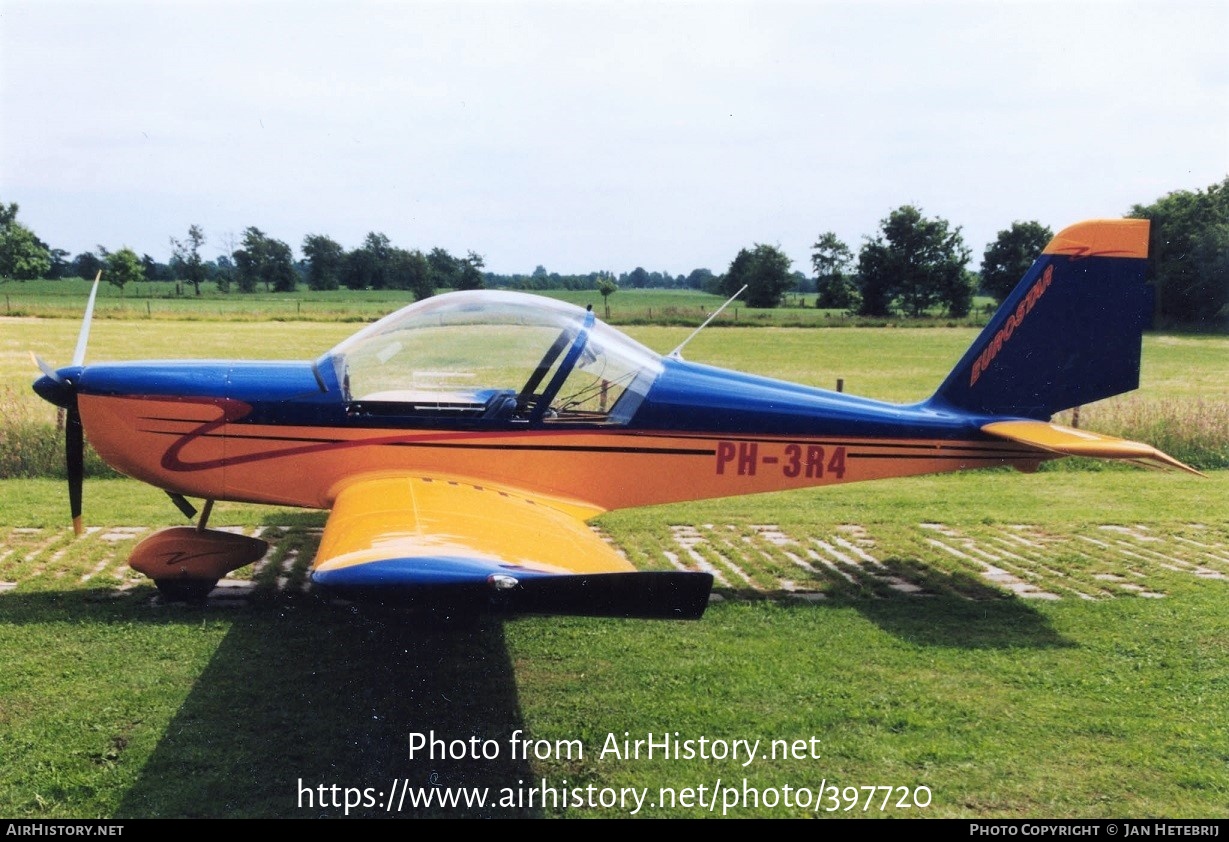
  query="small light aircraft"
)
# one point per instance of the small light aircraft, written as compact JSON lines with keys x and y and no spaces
{"x":461,"y":443}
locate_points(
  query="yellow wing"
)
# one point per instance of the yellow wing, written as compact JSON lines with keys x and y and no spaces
{"x":440,"y":538}
{"x":1072,"y":442}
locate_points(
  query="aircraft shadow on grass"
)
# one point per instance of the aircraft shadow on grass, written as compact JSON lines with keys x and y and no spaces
{"x":957,"y":612}
{"x":331,"y":693}
{"x":998,"y":623}
{"x":353,"y":690}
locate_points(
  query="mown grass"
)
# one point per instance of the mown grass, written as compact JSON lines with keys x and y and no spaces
{"x":114,"y":705}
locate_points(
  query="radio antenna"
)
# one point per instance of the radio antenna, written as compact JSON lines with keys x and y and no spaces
{"x":677,"y":353}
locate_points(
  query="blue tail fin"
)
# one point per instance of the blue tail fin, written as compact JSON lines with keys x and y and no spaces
{"x":1069,"y":333}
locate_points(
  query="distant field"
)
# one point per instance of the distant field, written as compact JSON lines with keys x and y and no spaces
{"x":159,"y":301}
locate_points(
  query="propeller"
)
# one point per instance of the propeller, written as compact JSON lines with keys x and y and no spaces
{"x":74,"y":461}
{"x":84,"y":336}
{"x":62,"y":391}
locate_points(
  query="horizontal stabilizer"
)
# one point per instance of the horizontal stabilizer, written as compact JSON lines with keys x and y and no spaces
{"x":1072,"y":442}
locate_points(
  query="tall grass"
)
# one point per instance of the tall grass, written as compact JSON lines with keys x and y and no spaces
{"x":33,"y":448}
{"x":1196,"y":431}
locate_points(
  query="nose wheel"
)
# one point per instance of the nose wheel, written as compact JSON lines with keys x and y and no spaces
{"x":185,"y":590}
{"x":186,"y":562}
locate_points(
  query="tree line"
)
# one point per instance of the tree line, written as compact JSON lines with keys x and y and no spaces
{"x":912,"y":265}
{"x":915,"y":264}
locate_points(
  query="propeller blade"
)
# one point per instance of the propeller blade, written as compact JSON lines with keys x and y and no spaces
{"x":84,"y":336}
{"x":74,"y":460}
{"x":45,"y":367}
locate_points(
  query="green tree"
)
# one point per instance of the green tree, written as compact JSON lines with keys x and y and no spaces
{"x":60,"y":265}
{"x":23,"y":256}
{"x":956,"y":293}
{"x":150,"y":266}
{"x":1190,"y":249}
{"x":410,"y":270}
{"x":607,"y":287}
{"x":367,"y":267}
{"x":264,"y":259}
{"x":358,"y":269}
{"x":85,"y":265}
{"x":470,"y":275}
{"x":279,"y":270}
{"x":186,"y":254}
{"x":914,"y":263}
{"x":764,"y":270}
{"x":1010,"y":255}
{"x":638,"y":278}
{"x":832,"y":259}
{"x":325,"y":261}
{"x":223,"y":271}
{"x":123,"y":267}
{"x":700,"y":279}
{"x":445,"y":269}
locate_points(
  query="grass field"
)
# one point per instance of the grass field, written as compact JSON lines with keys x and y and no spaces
{"x":158,"y":301}
{"x":993,"y":644}
{"x":1091,"y":681}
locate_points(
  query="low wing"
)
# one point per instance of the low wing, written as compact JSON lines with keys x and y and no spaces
{"x":434,"y":538}
{"x":1072,"y":442}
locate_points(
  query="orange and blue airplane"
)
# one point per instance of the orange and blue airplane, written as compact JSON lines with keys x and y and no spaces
{"x":462,"y":443}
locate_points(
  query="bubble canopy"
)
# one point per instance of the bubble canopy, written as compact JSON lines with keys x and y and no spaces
{"x":493,"y":357}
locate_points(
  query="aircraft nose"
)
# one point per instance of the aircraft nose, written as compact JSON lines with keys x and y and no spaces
{"x":60,"y":390}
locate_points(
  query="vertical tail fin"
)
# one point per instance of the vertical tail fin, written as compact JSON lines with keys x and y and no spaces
{"x":1069,"y":333}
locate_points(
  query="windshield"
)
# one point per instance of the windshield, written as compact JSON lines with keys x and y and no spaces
{"x":495,"y":356}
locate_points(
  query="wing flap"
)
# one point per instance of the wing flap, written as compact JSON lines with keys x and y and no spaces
{"x":426,"y":538}
{"x":1069,"y":441}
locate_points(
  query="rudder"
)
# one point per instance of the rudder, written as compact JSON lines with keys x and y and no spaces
{"x":1070,"y":332}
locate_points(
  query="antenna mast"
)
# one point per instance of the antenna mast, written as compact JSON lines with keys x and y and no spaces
{"x":677,"y":353}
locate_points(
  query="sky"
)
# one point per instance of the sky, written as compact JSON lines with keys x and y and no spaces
{"x":591,"y":135}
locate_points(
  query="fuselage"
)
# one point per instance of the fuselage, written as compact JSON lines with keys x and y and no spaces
{"x":289,"y":433}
